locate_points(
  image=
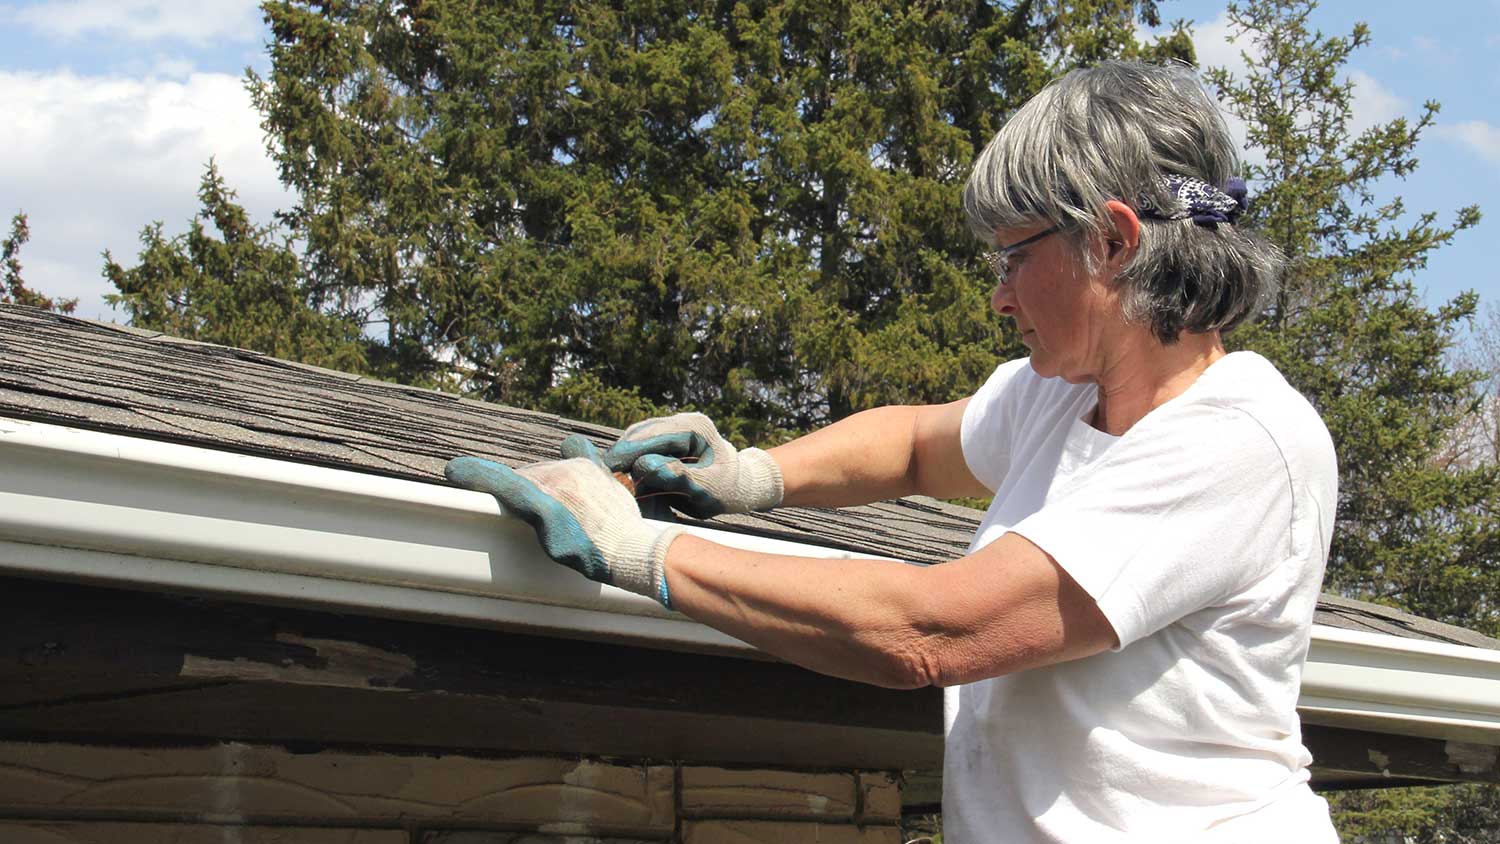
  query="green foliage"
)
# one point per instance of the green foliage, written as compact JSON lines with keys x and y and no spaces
{"x":13,"y":289}
{"x":1439,"y":815}
{"x":243,"y":290}
{"x":746,"y":208}
{"x":1350,"y":330}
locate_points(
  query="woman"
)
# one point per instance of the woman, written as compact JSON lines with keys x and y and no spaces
{"x":1122,"y":646}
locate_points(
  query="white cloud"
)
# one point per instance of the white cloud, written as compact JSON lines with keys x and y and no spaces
{"x":93,"y":159}
{"x":172,"y":67}
{"x":197,"y":21}
{"x":1217,"y":45}
{"x":1212,"y":43}
{"x":1479,"y":137}
{"x":1373,"y":103}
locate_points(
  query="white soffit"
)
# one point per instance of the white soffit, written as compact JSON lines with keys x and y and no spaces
{"x":108,"y":508}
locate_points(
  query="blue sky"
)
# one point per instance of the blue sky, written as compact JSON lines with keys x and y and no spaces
{"x":114,"y":106}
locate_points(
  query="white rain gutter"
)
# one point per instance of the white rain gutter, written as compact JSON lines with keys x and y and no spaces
{"x":103,"y":507}
{"x":107,"y":508}
{"x":1372,"y":681}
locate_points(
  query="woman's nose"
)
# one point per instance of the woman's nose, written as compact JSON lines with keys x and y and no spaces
{"x":1003,"y":301}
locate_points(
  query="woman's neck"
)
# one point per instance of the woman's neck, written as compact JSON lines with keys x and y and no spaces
{"x":1149,"y":375}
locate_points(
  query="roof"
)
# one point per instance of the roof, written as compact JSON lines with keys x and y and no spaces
{"x":98,"y":376}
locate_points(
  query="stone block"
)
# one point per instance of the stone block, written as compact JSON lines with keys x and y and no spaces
{"x":250,"y":781}
{"x":105,"y":832}
{"x":780,"y":832}
{"x":882,"y":796}
{"x":710,"y":792}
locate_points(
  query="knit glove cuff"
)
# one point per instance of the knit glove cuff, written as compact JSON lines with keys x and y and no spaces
{"x":685,"y":457}
{"x":759,"y":486}
{"x":640,"y":559}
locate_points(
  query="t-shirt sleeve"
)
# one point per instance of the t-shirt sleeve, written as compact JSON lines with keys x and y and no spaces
{"x":988,"y":426}
{"x":1179,"y":515}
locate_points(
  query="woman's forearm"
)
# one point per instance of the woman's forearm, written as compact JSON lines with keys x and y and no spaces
{"x":847,"y":618}
{"x":865,"y":457}
{"x":877,"y":455}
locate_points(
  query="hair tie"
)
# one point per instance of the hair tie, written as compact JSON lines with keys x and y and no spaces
{"x":1206,"y":204}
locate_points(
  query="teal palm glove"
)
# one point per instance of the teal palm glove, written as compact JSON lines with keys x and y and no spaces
{"x":685,"y":454}
{"x":582,"y":516}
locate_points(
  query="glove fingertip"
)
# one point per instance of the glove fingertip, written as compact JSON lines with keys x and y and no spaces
{"x":513,"y":491}
{"x":615,"y":464}
{"x":620,"y":456}
{"x":468,"y":472}
{"x":651,"y":464}
{"x":577,"y":445}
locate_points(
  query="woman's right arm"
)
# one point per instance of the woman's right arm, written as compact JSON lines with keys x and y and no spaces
{"x":877,"y":455}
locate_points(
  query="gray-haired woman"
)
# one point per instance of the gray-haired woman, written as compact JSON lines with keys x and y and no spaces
{"x":1122,"y":646}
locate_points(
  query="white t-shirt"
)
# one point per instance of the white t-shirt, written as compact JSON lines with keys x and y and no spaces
{"x":1202,"y":534}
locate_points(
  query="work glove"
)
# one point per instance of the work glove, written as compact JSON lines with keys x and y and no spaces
{"x":685,"y":455}
{"x":583,"y":517}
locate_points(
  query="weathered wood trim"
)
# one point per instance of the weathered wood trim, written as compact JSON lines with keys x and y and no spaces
{"x":114,"y":665}
{"x":1358,"y":759}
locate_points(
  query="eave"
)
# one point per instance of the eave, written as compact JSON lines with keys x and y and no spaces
{"x":98,"y":507}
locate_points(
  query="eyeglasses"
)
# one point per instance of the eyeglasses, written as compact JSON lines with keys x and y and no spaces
{"x":999,"y":260}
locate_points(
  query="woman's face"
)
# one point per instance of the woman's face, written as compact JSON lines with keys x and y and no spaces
{"x":1066,"y":315}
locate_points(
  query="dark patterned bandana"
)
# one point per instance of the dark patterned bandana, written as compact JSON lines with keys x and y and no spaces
{"x":1206,"y":204}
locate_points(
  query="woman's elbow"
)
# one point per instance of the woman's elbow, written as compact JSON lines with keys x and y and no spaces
{"x":946,"y":660}
{"x":913,"y":664}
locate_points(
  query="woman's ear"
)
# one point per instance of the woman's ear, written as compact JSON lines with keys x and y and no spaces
{"x":1125,"y":238}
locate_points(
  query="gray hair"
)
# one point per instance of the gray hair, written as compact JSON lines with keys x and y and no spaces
{"x":1110,"y":132}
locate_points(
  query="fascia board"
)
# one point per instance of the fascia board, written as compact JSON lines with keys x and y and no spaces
{"x":110,"y":508}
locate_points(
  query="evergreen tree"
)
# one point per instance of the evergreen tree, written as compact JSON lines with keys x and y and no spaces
{"x":609,"y":210}
{"x":1350,"y":330}
{"x":243,"y":290}
{"x":13,"y":289}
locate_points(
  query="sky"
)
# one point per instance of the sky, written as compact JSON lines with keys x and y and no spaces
{"x":112,"y":108}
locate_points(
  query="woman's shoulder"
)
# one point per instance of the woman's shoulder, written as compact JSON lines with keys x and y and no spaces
{"x":1244,"y":390}
{"x":1249,"y":383}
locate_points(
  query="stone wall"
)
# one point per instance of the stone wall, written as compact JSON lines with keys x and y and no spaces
{"x":54,"y":793}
